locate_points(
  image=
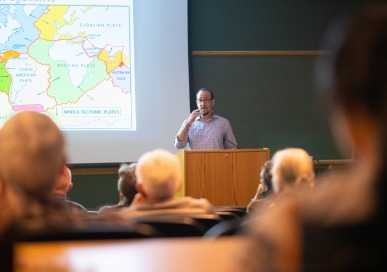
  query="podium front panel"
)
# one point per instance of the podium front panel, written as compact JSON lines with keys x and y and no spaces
{"x":224,"y":177}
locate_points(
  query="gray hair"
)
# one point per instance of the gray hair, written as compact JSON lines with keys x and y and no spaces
{"x":158,"y":172}
{"x":292,"y":167}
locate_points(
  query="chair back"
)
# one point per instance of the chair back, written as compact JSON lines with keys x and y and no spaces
{"x":206,"y":219}
{"x":173,"y":225}
{"x":238,"y":211}
{"x":225,"y":228}
{"x":226,"y":215}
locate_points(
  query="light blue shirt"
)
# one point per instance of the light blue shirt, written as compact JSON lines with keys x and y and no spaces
{"x":210,"y":134}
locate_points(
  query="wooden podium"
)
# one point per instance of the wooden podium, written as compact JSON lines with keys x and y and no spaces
{"x":227,"y":177}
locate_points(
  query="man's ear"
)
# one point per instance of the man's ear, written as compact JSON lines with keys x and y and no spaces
{"x":140,"y":190}
{"x":70,"y":186}
{"x":213,"y":102}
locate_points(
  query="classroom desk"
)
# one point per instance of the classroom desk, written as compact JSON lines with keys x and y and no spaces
{"x":169,"y":254}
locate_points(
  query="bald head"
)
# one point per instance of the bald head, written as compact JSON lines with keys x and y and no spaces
{"x":292,"y":167}
{"x":31,"y":152}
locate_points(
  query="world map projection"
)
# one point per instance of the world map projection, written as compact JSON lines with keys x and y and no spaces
{"x":71,"y":62}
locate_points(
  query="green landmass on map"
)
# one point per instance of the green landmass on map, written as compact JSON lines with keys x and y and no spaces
{"x":61,"y":87}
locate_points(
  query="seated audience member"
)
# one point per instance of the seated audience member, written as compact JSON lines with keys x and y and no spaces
{"x":341,"y":226}
{"x":63,"y":185}
{"x":31,"y":158}
{"x":158,"y":182}
{"x":126,"y":188}
{"x":292,"y":169}
{"x":265,"y":187}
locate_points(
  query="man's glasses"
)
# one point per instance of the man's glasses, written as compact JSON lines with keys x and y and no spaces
{"x":205,"y":100}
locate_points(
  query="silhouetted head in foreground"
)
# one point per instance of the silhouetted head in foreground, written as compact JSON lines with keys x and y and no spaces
{"x":31,"y":153}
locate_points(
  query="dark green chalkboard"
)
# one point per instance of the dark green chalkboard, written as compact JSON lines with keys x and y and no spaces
{"x":270,"y":100}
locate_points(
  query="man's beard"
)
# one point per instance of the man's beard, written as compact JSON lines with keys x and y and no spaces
{"x":204,"y":113}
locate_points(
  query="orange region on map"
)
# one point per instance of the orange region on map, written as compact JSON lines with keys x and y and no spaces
{"x":111,"y":64}
{"x":10,"y":54}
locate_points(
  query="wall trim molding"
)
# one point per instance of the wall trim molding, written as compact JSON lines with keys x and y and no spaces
{"x":108,"y":169}
{"x":260,"y":53}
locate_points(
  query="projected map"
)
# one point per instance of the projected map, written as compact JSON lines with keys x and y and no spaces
{"x":73,"y":63}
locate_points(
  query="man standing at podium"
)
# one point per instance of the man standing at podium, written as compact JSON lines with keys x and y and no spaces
{"x":203,"y":129}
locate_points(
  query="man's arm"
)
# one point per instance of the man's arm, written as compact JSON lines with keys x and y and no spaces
{"x":182,"y":136}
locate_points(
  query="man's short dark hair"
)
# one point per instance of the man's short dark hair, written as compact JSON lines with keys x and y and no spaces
{"x":205,"y":90}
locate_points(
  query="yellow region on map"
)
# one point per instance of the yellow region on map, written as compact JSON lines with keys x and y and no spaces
{"x":49,"y":23}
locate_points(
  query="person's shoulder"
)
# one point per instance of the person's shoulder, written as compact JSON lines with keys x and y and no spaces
{"x":333,"y":203}
{"x":45,"y":214}
{"x":220,"y":118}
{"x":76,"y":207}
{"x":202,"y":203}
{"x":111,"y":209}
{"x":328,"y":204}
{"x":264,"y":203}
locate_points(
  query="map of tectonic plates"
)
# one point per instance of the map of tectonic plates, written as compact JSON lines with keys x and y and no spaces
{"x":70,"y":62}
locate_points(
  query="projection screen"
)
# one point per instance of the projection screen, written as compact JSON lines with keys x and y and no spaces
{"x":113,"y":75}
